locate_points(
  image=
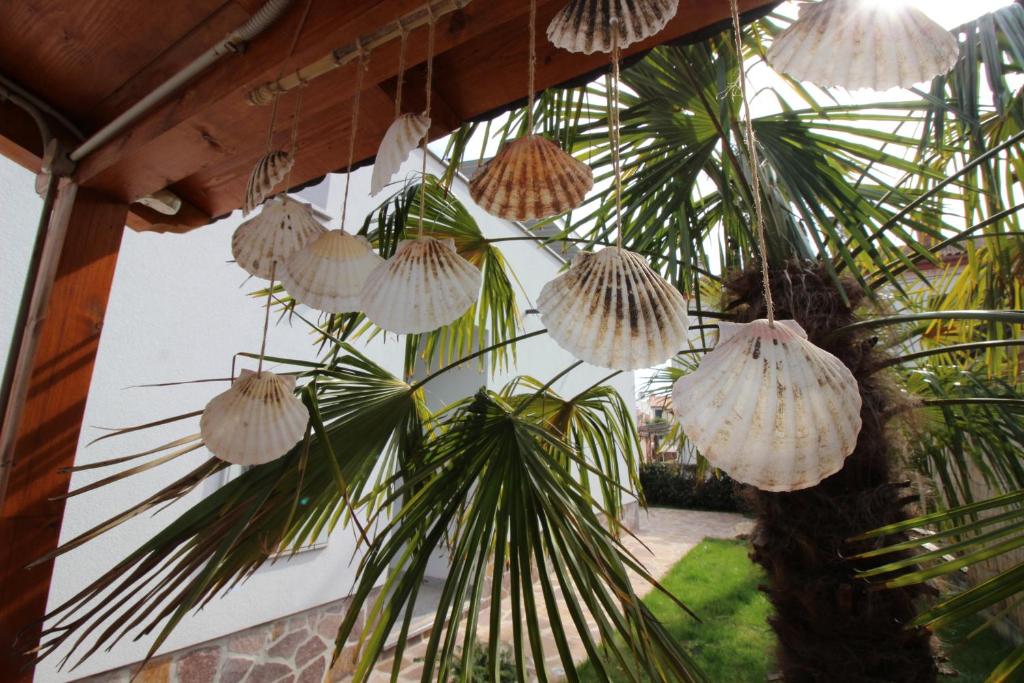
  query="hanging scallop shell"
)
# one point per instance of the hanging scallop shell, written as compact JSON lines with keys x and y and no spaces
{"x":610,"y":309}
{"x":770,"y":408}
{"x":329,"y":273}
{"x":270,"y":170}
{"x":257,"y":420}
{"x":424,"y":286}
{"x":281,"y":228}
{"x":402,"y":138}
{"x":855,"y":44}
{"x":586,"y":25}
{"x":531,"y":178}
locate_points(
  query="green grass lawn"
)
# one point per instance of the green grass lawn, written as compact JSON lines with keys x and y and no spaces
{"x":733,"y":643}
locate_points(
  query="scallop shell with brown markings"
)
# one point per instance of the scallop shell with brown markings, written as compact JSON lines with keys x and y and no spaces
{"x":399,"y":141}
{"x":769,"y":408}
{"x":586,"y":25}
{"x":855,"y":44}
{"x":531,"y":178}
{"x":270,"y":170}
{"x":612,"y":310}
{"x":330,"y":272}
{"x":424,"y":286}
{"x":283,"y":227}
{"x":257,"y":420}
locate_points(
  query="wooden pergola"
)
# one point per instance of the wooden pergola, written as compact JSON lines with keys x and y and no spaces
{"x":79,"y":64}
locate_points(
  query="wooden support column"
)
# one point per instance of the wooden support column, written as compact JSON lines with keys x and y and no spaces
{"x":83,"y":241}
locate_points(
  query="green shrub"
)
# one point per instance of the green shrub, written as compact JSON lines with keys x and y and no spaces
{"x":669,"y":484}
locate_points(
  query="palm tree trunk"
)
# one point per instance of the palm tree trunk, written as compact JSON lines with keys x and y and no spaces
{"x":832,"y":627}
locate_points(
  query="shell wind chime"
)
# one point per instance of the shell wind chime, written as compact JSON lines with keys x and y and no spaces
{"x":531,"y":178}
{"x":770,"y":408}
{"x":256,"y":421}
{"x":586,"y":25}
{"x":259,"y":418}
{"x":426,"y":284}
{"x":856,"y":44}
{"x":766,"y":406}
{"x":281,"y":228}
{"x":611,"y":309}
{"x":402,"y":137}
{"x":329,"y":273}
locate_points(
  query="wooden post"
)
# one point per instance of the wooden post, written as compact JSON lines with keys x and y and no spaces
{"x":82,"y":245}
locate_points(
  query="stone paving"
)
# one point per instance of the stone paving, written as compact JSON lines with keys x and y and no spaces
{"x":663,"y":538}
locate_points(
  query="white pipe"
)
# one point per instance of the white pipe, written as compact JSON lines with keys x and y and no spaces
{"x":259,"y":22}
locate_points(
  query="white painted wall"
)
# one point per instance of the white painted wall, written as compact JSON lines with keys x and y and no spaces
{"x":179,"y":311}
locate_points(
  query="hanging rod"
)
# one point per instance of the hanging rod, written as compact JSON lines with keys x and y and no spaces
{"x":268,"y":92}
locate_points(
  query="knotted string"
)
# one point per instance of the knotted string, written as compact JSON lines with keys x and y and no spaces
{"x":401,"y":69}
{"x":755,"y":164}
{"x":284,"y":66}
{"x":294,"y":147}
{"x":532,"y":83}
{"x":426,"y":137}
{"x":613,"y":125}
{"x":361,"y":67}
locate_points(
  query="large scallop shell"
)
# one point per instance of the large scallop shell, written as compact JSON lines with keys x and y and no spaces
{"x":424,"y":286}
{"x":531,"y":178}
{"x":770,"y":408}
{"x":283,"y":227}
{"x":329,"y":273}
{"x":270,"y":170}
{"x":402,"y":138}
{"x":610,"y":309}
{"x":257,"y":420}
{"x":586,"y":25}
{"x":855,"y":44}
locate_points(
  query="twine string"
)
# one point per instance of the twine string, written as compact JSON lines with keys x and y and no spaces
{"x":755,"y":163}
{"x":613,"y":124}
{"x":426,"y":137}
{"x":531,"y":95}
{"x":284,"y":65}
{"x":361,"y":67}
{"x":295,"y":132}
{"x":266,"y":317}
{"x":401,"y":68}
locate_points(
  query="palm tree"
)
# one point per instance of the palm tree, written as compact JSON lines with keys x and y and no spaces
{"x":525,"y":485}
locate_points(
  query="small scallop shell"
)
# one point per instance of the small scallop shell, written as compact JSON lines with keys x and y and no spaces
{"x":610,"y":309}
{"x":586,"y":25}
{"x":283,"y":226}
{"x":404,"y":135}
{"x":855,"y":44}
{"x":329,"y":273}
{"x":531,"y":178}
{"x":770,"y":408}
{"x":424,"y":286}
{"x":270,"y":170}
{"x":257,"y":420}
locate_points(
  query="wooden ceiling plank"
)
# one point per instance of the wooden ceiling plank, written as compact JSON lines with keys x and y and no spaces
{"x":120,"y":168}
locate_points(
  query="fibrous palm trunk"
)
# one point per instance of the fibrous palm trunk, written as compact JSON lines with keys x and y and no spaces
{"x":832,"y":627}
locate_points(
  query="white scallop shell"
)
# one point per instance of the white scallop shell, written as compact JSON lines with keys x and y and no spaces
{"x":270,"y":170}
{"x":586,"y":25}
{"x":424,"y":286}
{"x":404,"y":135}
{"x":855,"y":44}
{"x":330,"y":272}
{"x":610,"y":309}
{"x":257,"y":420}
{"x":769,"y":408}
{"x":531,"y":178}
{"x":283,"y":227}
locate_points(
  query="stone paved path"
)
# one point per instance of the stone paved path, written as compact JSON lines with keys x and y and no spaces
{"x":668,"y":536}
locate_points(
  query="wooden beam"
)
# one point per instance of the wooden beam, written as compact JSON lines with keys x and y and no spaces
{"x":68,"y":333}
{"x":211,"y":120}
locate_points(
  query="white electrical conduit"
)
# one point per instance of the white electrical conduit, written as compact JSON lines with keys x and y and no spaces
{"x":261,"y":21}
